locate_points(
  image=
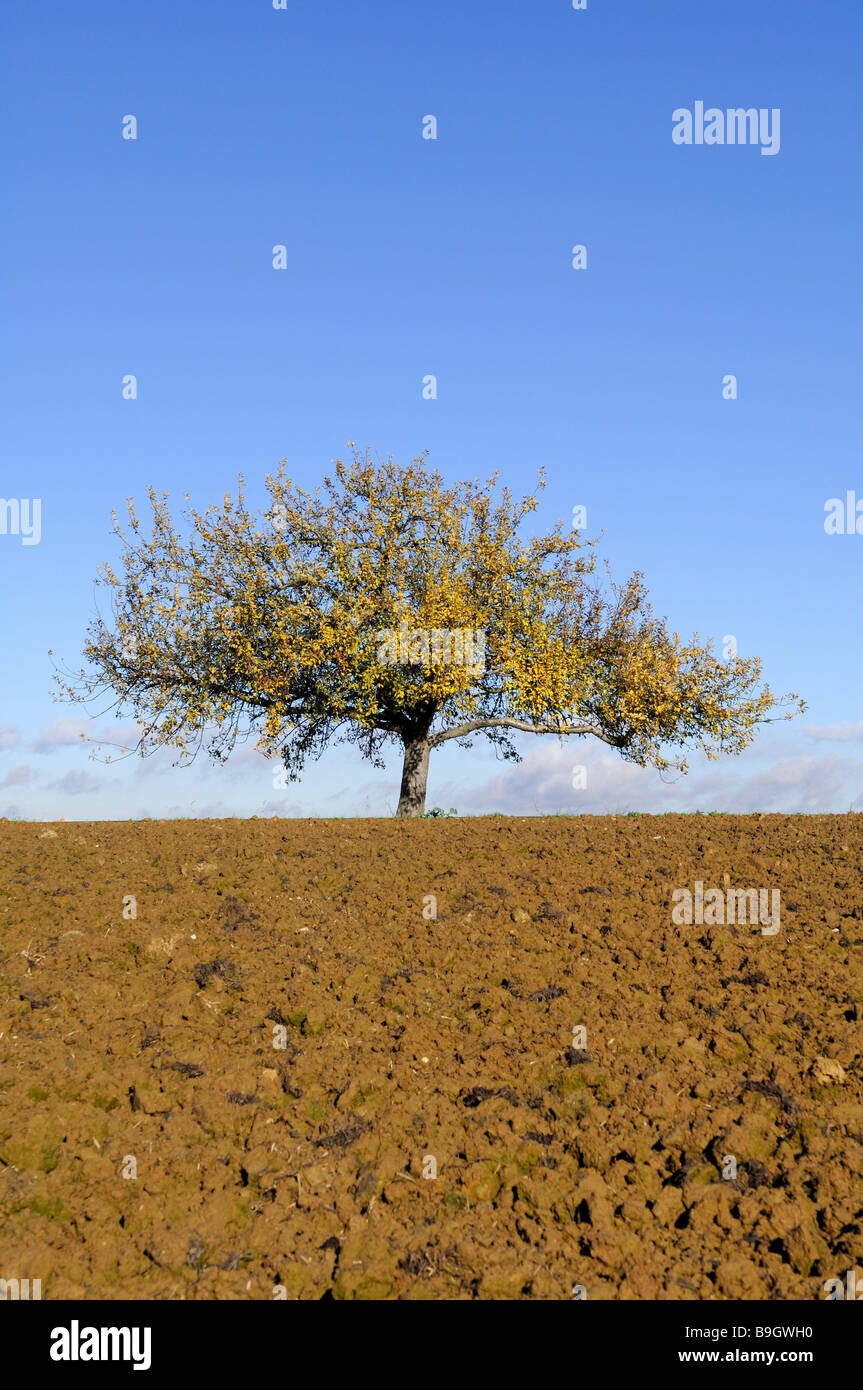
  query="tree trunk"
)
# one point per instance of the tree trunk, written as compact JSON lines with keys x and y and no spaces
{"x":412,"y":798}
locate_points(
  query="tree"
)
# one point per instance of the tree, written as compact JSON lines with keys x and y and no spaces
{"x":387,"y":608}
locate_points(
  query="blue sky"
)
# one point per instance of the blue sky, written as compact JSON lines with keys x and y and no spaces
{"x":407,"y":257}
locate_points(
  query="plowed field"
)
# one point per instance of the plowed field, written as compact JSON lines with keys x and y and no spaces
{"x":245,"y":1059}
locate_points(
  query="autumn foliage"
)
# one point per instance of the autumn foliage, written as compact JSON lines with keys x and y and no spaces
{"x":271,"y":624}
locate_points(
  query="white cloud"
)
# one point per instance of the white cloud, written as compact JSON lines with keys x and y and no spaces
{"x":287,"y":809}
{"x":755,"y":781}
{"x":248,"y":756}
{"x":76,"y":784}
{"x":60,"y":734}
{"x":112,"y":740}
{"x":18,"y":776}
{"x":835,"y":733}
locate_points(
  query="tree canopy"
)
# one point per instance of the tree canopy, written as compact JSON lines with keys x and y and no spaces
{"x":389,"y":608}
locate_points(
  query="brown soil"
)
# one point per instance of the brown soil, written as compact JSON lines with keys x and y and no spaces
{"x":408,"y":1039}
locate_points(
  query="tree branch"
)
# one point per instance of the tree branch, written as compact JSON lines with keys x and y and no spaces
{"x":616,"y":741}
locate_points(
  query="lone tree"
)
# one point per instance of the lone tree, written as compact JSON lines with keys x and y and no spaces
{"x":388,"y":607}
